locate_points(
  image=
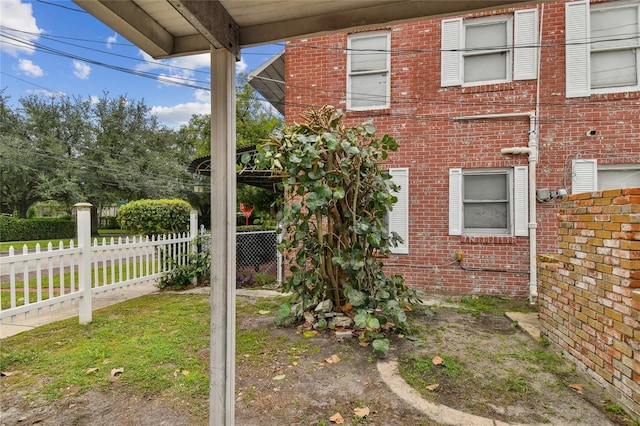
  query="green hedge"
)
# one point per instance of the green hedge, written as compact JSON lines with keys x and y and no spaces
{"x":151,"y":217}
{"x":13,"y":229}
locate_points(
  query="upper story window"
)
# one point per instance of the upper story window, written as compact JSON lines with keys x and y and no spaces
{"x":488,"y":202}
{"x":489,"y":50}
{"x":368,"y":68}
{"x":486,"y":53}
{"x":602,"y":48}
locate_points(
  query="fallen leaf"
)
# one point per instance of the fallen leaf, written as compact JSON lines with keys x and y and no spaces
{"x":185,"y":372}
{"x":280,"y":377}
{"x":437,"y":360}
{"x":91,"y":370}
{"x":71,"y":405}
{"x":332,"y":359}
{"x":433,"y":387}
{"x":361,"y":412}
{"x":337,"y":419}
{"x":7,"y":373}
{"x":310,"y":333}
{"x":576,"y":387}
{"x":117,"y":371}
{"x":263,"y":312}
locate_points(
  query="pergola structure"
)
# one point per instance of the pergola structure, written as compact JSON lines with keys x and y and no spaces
{"x":168,"y":28}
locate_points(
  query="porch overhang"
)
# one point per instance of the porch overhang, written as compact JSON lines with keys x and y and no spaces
{"x":166,"y":28}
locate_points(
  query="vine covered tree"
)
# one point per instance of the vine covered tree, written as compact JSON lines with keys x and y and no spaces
{"x":335,"y":217}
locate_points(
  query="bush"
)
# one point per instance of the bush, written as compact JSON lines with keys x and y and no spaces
{"x":14,"y":229}
{"x":152,"y":217}
{"x":197,"y":269}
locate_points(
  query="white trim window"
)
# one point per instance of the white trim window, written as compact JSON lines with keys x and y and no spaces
{"x":587,"y":176}
{"x":489,"y":50}
{"x":398,"y":218}
{"x":368,"y":70}
{"x":488,"y":202}
{"x":602,"y":47}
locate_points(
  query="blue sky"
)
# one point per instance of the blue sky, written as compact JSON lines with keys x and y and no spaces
{"x":53,"y":47}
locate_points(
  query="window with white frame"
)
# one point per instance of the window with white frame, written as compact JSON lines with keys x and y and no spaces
{"x":488,"y":202}
{"x":489,"y":50}
{"x":602,"y":47}
{"x":588,"y":176}
{"x":368,"y":67}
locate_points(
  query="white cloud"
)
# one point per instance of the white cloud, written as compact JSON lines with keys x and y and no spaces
{"x":81,"y":70}
{"x":202,"y":95}
{"x":46,"y":93}
{"x":111,"y":40}
{"x":182,"y":70}
{"x":241,"y":66}
{"x":19,"y":16}
{"x":180,"y":114}
{"x":25,"y":66}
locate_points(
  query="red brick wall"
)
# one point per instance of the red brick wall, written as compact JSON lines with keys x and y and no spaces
{"x":590,"y":298}
{"x":421,"y":118}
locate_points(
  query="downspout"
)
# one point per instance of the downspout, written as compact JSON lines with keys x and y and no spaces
{"x":532,"y":151}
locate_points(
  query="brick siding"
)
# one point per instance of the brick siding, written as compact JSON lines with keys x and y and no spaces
{"x":421,"y":118}
{"x":590,"y":297}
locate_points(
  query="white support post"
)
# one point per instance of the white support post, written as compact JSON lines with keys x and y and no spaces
{"x":83,"y":212}
{"x":223,"y":241}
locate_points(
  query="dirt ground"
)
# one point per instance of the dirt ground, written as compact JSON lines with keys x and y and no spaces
{"x":314,"y":379}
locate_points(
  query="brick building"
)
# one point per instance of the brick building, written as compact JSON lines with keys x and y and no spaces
{"x":497,"y":115}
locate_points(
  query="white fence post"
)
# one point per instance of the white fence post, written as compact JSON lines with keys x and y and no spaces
{"x":83,"y":211}
{"x":193,"y":230}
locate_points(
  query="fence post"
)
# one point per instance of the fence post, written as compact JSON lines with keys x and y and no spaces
{"x":193,"y":234}
{"x":83,"y":211}
{"x":193,"y":229}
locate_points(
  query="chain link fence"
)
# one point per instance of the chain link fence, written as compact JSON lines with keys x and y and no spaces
{"x":257,"y":258}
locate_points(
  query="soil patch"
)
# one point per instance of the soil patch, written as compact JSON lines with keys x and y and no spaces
{"x":490,"y":368}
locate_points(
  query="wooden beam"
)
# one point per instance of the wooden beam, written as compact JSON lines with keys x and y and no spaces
{"x":212,"y":20}
{"x":133,"y":23}
{"x":223,"y":239}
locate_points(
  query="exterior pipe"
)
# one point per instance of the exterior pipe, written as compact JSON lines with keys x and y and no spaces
{"x":531,"y":150}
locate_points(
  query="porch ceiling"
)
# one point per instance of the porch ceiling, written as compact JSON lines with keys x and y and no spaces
{"x":166,"y":28}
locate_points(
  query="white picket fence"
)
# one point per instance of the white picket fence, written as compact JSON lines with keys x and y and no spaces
{"x":47,"y":279}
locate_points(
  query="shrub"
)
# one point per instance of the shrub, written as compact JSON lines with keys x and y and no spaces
{"x":152,"y":217}
{"x":335,"y":219}
{"x":197,"y":269}
{"x":14,"y":229}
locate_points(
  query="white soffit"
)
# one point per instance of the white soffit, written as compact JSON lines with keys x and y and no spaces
{"x":165,"y":28}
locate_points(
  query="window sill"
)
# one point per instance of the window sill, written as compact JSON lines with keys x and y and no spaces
{"x":614,"y":96}
{"x":489,"y":239}
{"x":494,"y":87}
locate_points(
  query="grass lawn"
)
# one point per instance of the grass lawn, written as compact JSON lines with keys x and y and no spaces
{"x":161,"y":341}
{"x":31,"y":245}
